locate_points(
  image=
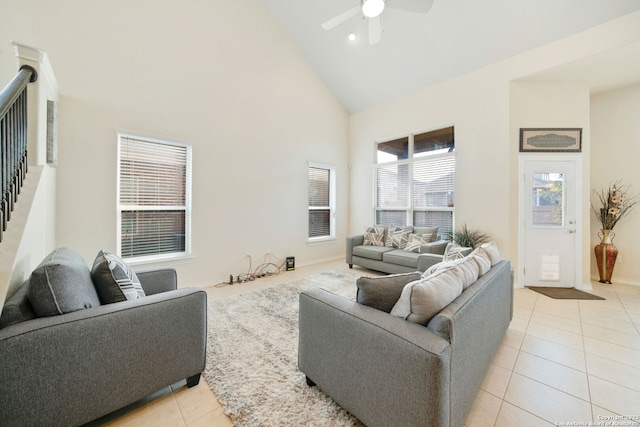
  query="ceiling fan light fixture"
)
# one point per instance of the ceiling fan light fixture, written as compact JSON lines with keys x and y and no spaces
{"x":372,"y":8}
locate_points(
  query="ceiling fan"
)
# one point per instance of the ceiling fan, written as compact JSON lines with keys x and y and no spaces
{"x":372,"y":9}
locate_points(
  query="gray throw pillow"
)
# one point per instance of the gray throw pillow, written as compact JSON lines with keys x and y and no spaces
{"x":61,"y":284}
{"x":382,"y":292}
{"x":114,"y":280}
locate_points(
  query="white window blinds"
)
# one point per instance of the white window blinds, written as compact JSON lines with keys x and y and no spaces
{"x":415,"y":180}
{"x":321,"y":201}
{"x":154,"y":184}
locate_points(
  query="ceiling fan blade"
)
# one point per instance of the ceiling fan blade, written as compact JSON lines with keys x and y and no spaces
{"x":339,"y":19}
{"x":419,"y":6}
{"x":375,"y":29}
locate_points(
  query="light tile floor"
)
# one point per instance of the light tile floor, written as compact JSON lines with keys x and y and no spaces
{"x":562,"y":361}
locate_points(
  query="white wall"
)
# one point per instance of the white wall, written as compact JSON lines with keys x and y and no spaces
{"x":222,"y":76}
{"x":478,"y":105}
{"x":555,"y":104}
{"x":615,"y":148}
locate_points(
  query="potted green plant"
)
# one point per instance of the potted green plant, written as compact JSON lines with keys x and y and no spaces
{"x":469,"y":238}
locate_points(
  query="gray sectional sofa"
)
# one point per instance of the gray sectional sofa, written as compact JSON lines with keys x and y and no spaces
{"x":71,"y":368}
{"x":388,"y":371}
{"x":388,"y":259}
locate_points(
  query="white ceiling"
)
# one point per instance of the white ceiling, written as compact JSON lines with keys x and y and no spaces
{"x":453,"y":38}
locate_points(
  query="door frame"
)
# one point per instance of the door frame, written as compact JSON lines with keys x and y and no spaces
{"x":564,"y":157}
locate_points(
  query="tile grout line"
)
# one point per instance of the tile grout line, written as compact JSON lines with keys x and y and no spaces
{"x":511,"y":371}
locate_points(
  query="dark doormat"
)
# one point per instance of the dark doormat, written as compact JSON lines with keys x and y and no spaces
{"x":563,"y":293}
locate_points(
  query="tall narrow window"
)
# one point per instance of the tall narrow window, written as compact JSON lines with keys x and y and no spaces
{"x":154,"y":202}
{"x":321,"y":201}
{"x":415,"y":180}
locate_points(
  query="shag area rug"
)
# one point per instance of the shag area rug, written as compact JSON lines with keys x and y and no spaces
{"x":252,"y":356}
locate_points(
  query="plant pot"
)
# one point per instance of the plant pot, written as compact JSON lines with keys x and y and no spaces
{"x":606,"y":254}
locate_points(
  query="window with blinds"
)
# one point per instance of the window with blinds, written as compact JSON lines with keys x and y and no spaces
{"x":154,"y":198}
{"x":321,"y":201}
{"x":415,"y":180}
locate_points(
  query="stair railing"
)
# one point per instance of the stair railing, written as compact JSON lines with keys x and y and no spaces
{"x":13,"y":141}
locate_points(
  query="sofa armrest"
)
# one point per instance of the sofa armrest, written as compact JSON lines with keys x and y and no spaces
{"x":352,"y":242}
{"x":103,"y":358}
{"x":155,"y":280}
{"x":436,"y":247}
{"x":427,"y":260}
{"x":372,"y":364}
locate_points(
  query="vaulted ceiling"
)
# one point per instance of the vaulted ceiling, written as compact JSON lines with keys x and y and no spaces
{"x":421,"y":49}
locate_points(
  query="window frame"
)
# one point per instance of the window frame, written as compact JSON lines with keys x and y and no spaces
{"x":410,"y":209}
{"x":332,"y":202}
{"x":144,"y":137}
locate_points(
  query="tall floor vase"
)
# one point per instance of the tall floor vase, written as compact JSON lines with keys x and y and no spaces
{"x":606,"y":254}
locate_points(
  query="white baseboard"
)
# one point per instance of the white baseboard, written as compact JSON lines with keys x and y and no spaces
{"x":619,"y":280}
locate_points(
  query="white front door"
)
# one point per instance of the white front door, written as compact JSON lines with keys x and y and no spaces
{"x":549,"y":233}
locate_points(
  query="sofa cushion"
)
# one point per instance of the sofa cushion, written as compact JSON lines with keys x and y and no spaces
{"x":492,"y":250}
{"x":424,"y":298}
{"x":382,"y":292}
{"x":114,"y":280}
{"x":374,"y":236}
{"x":61,"y":284}
{"x":431,"y":231}
{"x":371,"y":252}
{"x":17,"y":308}
{"x":401,"y":257}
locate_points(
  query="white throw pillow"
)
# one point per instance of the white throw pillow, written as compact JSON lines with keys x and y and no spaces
{"x":424,"y":298}
{"x":492,"y":250}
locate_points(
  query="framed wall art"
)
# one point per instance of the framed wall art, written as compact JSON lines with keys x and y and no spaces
{"x":565,"y":140}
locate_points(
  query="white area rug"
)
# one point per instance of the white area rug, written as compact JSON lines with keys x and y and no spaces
{"x":252,"y":356}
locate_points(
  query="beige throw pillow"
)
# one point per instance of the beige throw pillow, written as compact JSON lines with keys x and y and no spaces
{"x":399,"y":236}
{"x":374,"y":236}
{"x":454,"y":251}
{"x":481,"y":257}
{"x":415,"y":241}
{"x":492,"y":250}
{"x":424,"y":298}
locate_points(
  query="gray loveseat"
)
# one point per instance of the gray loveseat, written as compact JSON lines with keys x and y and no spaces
{"x":388,"y":371}
{"x":72,"y":368}
{"x":393,"y":260}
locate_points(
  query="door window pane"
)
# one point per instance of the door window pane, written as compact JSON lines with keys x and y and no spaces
{"x":548,"y":199}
